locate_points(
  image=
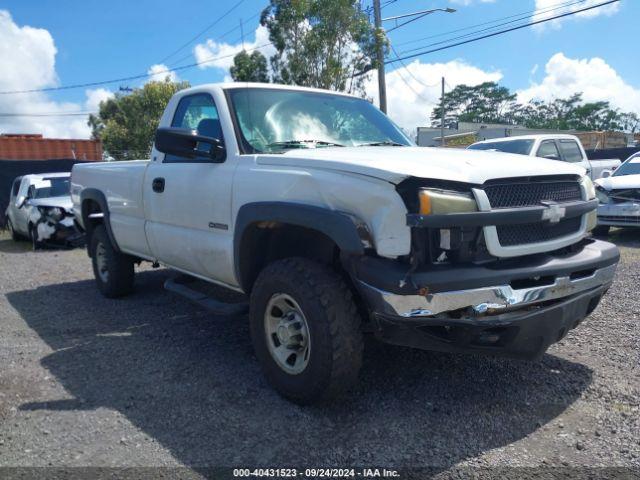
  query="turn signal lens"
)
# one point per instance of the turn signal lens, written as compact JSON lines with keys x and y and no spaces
{"x":425,"y":203}
{"x":588,"y":187}
{"x":440,"y":202}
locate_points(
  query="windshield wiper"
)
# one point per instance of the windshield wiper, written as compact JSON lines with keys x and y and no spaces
{"x":304,"y":143}
{"x":385,"y":143}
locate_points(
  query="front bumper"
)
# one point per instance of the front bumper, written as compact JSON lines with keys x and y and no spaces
{"x":62,"y":233}
{"x":625,"y":214}
{"x":516,"y":309}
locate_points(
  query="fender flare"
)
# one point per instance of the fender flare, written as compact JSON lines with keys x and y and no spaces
{"x":349,"y":234}
{"x":97,"y":196}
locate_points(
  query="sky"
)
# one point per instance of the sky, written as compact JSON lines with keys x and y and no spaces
{"x":53,"y":43}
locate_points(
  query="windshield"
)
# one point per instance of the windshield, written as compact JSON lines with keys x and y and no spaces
{"x":273,"y":121}
{"x":630,"y":167}
{"x":52,"y":187}
{"x":522,"y":147}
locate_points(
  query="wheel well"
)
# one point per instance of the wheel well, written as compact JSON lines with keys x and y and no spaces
{"x":88,"y":207}
{"x":265,"y":242}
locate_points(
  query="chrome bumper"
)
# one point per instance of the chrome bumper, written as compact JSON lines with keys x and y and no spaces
{"x":483,"y":300}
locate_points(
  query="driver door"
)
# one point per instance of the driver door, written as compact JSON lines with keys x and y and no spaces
{"x":188,"y":201}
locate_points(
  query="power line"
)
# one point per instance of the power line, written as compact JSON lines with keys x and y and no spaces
{"x":523,"y":15}
{"x":530,"y":24}
{"x":133,"y":77}
{"x":221,"y":37}
{"x":487,"y":29}
{"x":51,"y":114}
{"x":202,"y":32}
{"x":406,"y":68}
{"x":369,"y":9}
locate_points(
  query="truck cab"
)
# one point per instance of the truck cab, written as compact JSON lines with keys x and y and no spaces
{"x":565,"y":148}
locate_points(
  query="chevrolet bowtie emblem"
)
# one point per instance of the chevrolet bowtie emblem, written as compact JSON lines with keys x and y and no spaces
{"x":554,"y":212}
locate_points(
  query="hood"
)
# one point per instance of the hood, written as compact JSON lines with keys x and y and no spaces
{"x":622,"y":181}
{"x":394,"y":164}
{"x":61,"y":202}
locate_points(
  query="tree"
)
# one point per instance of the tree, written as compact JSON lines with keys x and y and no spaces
{"x":570,"y":114}
{"x":491,"y":103}
{"x":487,"y":102}
{"x":629,"y":122}
{"x":320,"y":43}
{"x":126,"y":124}
{"x":249,"y":68}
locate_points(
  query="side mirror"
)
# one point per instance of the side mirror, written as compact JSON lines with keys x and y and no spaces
{"x":188,"y":144}
{"x":551,"y":156}
{"x":606,"y":173}
{"x":20,"y":202}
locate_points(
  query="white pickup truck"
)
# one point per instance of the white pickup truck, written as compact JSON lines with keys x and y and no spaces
{"x":566,"y":148}
{"x":318,"y":208}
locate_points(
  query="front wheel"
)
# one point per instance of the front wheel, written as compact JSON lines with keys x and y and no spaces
{"x":305,"y":330}
{"x":113,"y":270}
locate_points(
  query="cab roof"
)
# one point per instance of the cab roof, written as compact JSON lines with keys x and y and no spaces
{"x":545,"y":136}
{"x":270,"y":86}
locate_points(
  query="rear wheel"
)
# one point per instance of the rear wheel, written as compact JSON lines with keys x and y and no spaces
{"x":113,"y":270}
{"x":305,"y":330}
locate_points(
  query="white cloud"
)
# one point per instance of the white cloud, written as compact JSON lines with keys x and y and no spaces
{"x":94,"y":97}
{"x":412,"y":93}
{"x":159,"y":73}
{"x":220,"y":54}
{"x":593,"y":77}
{"x":27,"y":56}
{"x":544,"y":9}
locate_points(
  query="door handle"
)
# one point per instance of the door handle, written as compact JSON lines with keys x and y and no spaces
{"x":158,"y":185}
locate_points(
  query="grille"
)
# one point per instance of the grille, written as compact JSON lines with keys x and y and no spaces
{"x":620,"y":218}
{"x":531,"y":194}
{"x":624,"y":195}
{"x":510,"y":235}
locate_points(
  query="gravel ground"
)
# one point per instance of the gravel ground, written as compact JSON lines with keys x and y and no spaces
{"x":152,"y":380}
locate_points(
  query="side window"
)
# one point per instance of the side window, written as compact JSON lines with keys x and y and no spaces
{"x":196,"y":112}
{"x":570,"y":151}
{"x":548,"y":149}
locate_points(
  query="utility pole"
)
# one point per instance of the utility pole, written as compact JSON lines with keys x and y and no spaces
{"x":382,"y":83}
{"x":442,"y":116}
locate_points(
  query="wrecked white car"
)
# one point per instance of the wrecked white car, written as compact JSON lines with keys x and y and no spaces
{"x":619,"y":196}
{"x":40,"y":210}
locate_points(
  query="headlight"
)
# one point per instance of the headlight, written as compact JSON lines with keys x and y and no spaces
{"x":438,"y":202}
{"x":601,"y":194}
{"x":588,"y":187}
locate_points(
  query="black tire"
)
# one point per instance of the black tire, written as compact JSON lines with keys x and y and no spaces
{"x":601,"y":230}
{"x":14,"y":235}
{"x":113,"y":271}
{"x":335,"y":338}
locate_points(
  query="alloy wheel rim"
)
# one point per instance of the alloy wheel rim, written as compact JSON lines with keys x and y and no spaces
{"x":287,"y":333}
{"x":101,"y":262}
